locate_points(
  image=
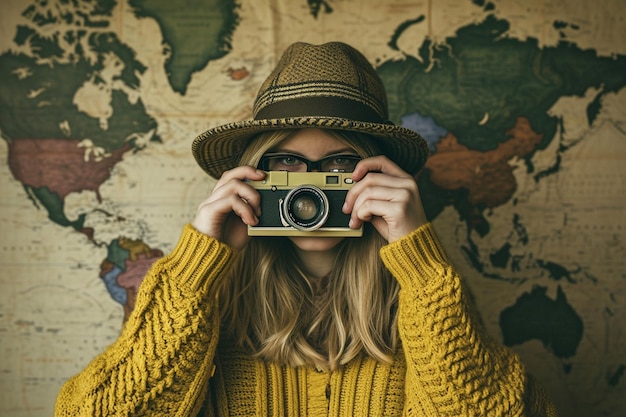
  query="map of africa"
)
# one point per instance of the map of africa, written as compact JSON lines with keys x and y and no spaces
{"x":522,"y":103}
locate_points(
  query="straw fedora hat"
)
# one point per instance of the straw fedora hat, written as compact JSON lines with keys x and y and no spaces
{"x":328,"y":86}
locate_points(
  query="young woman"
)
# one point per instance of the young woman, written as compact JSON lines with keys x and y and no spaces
{"x":378,"y":325}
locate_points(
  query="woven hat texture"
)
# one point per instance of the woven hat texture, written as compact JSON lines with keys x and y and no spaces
{"x":328,"y":86}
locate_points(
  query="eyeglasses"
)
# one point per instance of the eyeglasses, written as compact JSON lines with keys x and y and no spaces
{"x":296,"y":163}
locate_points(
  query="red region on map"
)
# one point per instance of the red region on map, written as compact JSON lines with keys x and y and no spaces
{"x":135,"y":271}
{"x":487,"y":176}
{"x":237,"y":74}
{"x":60,"y":165}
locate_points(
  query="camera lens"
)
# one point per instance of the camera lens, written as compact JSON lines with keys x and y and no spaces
{"x":305,"y":208}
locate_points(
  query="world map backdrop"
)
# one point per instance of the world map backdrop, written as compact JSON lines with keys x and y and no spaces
{"x":522,"y":102}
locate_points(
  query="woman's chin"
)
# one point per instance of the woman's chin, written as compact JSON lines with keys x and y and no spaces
{"x":315,"y":244}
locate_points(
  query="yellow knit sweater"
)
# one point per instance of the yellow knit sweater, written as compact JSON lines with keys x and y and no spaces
{"x":167,"y":361}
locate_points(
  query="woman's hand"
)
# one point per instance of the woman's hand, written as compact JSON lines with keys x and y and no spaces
{"x":232,"y":205}
{"x":386,"y":196}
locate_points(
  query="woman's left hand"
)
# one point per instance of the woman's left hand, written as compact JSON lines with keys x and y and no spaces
{"x":386,"y":196}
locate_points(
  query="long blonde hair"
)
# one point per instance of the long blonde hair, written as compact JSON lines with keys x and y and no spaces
{"x":267,"y":304}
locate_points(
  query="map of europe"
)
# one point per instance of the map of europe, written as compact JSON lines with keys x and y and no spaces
{"x":525,"y":182}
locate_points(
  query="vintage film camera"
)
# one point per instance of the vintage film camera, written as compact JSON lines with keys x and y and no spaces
{"x":303,"y":204}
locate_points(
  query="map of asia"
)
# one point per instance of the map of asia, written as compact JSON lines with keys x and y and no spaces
{"x":522,"y":102}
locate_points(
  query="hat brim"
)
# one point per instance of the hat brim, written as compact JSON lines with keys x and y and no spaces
{"x":220,"y":149}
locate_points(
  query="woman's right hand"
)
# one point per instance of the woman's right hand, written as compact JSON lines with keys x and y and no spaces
{"x":232,"y":205}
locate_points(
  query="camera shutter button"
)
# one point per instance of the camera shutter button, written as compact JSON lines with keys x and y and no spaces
{"x":348,"y":181}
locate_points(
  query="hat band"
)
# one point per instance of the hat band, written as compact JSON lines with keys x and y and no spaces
{"x":328,"y":106}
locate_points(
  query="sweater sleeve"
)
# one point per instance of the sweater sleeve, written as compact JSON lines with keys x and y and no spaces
{"x":453,"y":366}
{"x":160,"y":364}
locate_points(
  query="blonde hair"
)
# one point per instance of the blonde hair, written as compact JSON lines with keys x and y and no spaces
{"x":267,"y":304}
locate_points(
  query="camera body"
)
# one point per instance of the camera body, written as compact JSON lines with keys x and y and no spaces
{"x":303,"y":204}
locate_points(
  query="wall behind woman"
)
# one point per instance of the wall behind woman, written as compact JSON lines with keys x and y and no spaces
{"x":522,"y":102}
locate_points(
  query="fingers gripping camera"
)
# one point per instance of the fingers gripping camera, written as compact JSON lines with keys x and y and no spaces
{"x":303,"y":204}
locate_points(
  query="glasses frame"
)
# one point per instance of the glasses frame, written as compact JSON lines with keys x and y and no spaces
{"x":311,"y":166}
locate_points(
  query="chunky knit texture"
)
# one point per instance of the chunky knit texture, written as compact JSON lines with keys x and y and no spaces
{"x":169,"y":361}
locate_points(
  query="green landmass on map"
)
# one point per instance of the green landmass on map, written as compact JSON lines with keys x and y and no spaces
{"x":194,"y":33}
{"x":55,"y":145}
{"x":37,"y":99}
{"x":478,"y":86}
{"x":317,"y":6}
{"x":534,"y":315}
{"x":480,"y":70}
{"x":54,"y":205}
{"x":92,"y":14}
